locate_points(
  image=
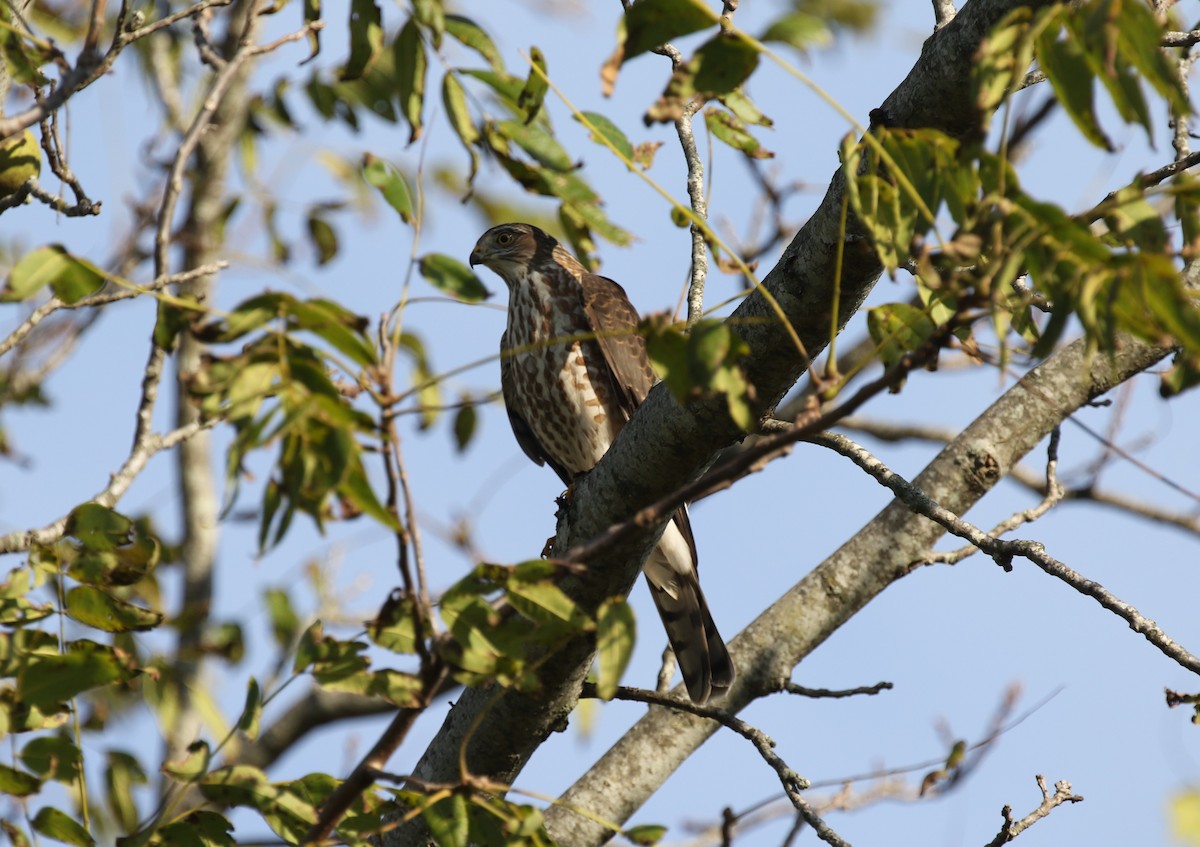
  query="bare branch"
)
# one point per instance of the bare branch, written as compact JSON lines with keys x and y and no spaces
{"x":1010,"y":829}
{"x":90,"y":68}
{"x":792,"y":782}
{"x":1181,"y":39}
{"x":108,"y":496}
{"x":102,"y":299}
{"x":1004,"y":551}
{"x":1028,"y":477}
{"x":836,"y":693}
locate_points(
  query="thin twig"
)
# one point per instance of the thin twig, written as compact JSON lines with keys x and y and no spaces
{"x":1010,"y":829}
{"x":121,"y":480}
{"x":1053,"y":496}
{"x":89,"y":68}
{"x":1033,"y":480}
{"x":337,"y":804}
{"x":792,"y":782}
{"x":1005,"y":551}
{"x":102,"y":299}
{"x":836,"y":693}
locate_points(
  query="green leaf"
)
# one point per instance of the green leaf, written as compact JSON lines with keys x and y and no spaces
{"x":251,"y":715}
{"x":98,"y":609}
{"x":99,"y":527}
{"x":323,"y":237}
{"x":431,"y":15}
{"x":452,"y":277}
{"x":455,"y":100}
{"x":395,"y":628}
{"x":538,"y":143}
{"x":616,"y":633}
{"x":20,"y":159}
{"x":307,"y":649}
{"x":18,"y":783}
{"x":199,"y":829}
{"x":800,"y":30}
{"x":717,"y":68}
{"x":603,"y":130}
{"x":16,"y":837}
{"x":1068,"y":72}
{"x":49,"y":680}
{"x":285,"y":623}
{"x":236,"y":785}
{"x":537,"y":84}
{"x":53,"y":757}
{"x":646,"y":834}
{"x":52,"y":823}
{"x":24,"y":58}
{"x":729,"y":129}
{"x":897,"y":329}
{"x":466,"y":420}
{"x":411,"y":67}
{"x":401,"y":689}
{"x":544,"y":602}
{"x":652,"y":23}
{"x":366,"y":39}
{"x":448,"y":821}
{"x":470,"y":34}
{"x":384,"y":176}
{"x":1004,"y":57}
{"x":356,"y":489}
{"x":742,"y":106}
{"x":69,"y":277}
{"x":122,"y":774}
{"x":192,"y":765}
{"x":312,"y":14}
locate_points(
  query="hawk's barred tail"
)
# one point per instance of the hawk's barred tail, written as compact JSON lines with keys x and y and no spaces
{"x":703,"y":659}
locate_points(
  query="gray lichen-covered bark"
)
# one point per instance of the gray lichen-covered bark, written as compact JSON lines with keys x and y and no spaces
{"x":665,"y":445}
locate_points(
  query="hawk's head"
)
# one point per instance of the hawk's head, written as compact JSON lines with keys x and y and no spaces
{"x":512,"y":250}
{"x":507,"y":247}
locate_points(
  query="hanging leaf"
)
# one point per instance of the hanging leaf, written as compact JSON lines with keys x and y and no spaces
{"x":411,"y":66}
{"x":537,"y":84}
{"x":452,"y":277}
{"x":366,"y":39}
{"x":69,"y":277}
{"x":386,"y":177}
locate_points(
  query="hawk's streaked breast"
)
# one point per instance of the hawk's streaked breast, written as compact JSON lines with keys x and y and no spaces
{"x":551,"y":373}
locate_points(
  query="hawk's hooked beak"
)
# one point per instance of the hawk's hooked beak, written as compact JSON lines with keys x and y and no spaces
{"x":476,"y":256}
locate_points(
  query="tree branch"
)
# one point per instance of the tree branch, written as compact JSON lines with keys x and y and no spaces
{"x":1011,"y":829}
{"x":879,"y":554}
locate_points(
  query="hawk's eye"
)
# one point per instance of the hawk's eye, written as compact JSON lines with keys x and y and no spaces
{"x":504,"y":239}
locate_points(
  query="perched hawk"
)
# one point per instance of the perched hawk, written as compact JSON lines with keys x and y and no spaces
{"x":573,"y":369}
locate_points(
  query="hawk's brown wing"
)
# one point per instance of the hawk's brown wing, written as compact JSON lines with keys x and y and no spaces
{"x":615,"y":323}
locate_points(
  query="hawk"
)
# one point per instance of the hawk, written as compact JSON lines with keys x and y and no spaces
{"x":573,"y":369}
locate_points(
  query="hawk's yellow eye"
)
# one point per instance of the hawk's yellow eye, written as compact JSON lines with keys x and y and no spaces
{"x":504,"y":239}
